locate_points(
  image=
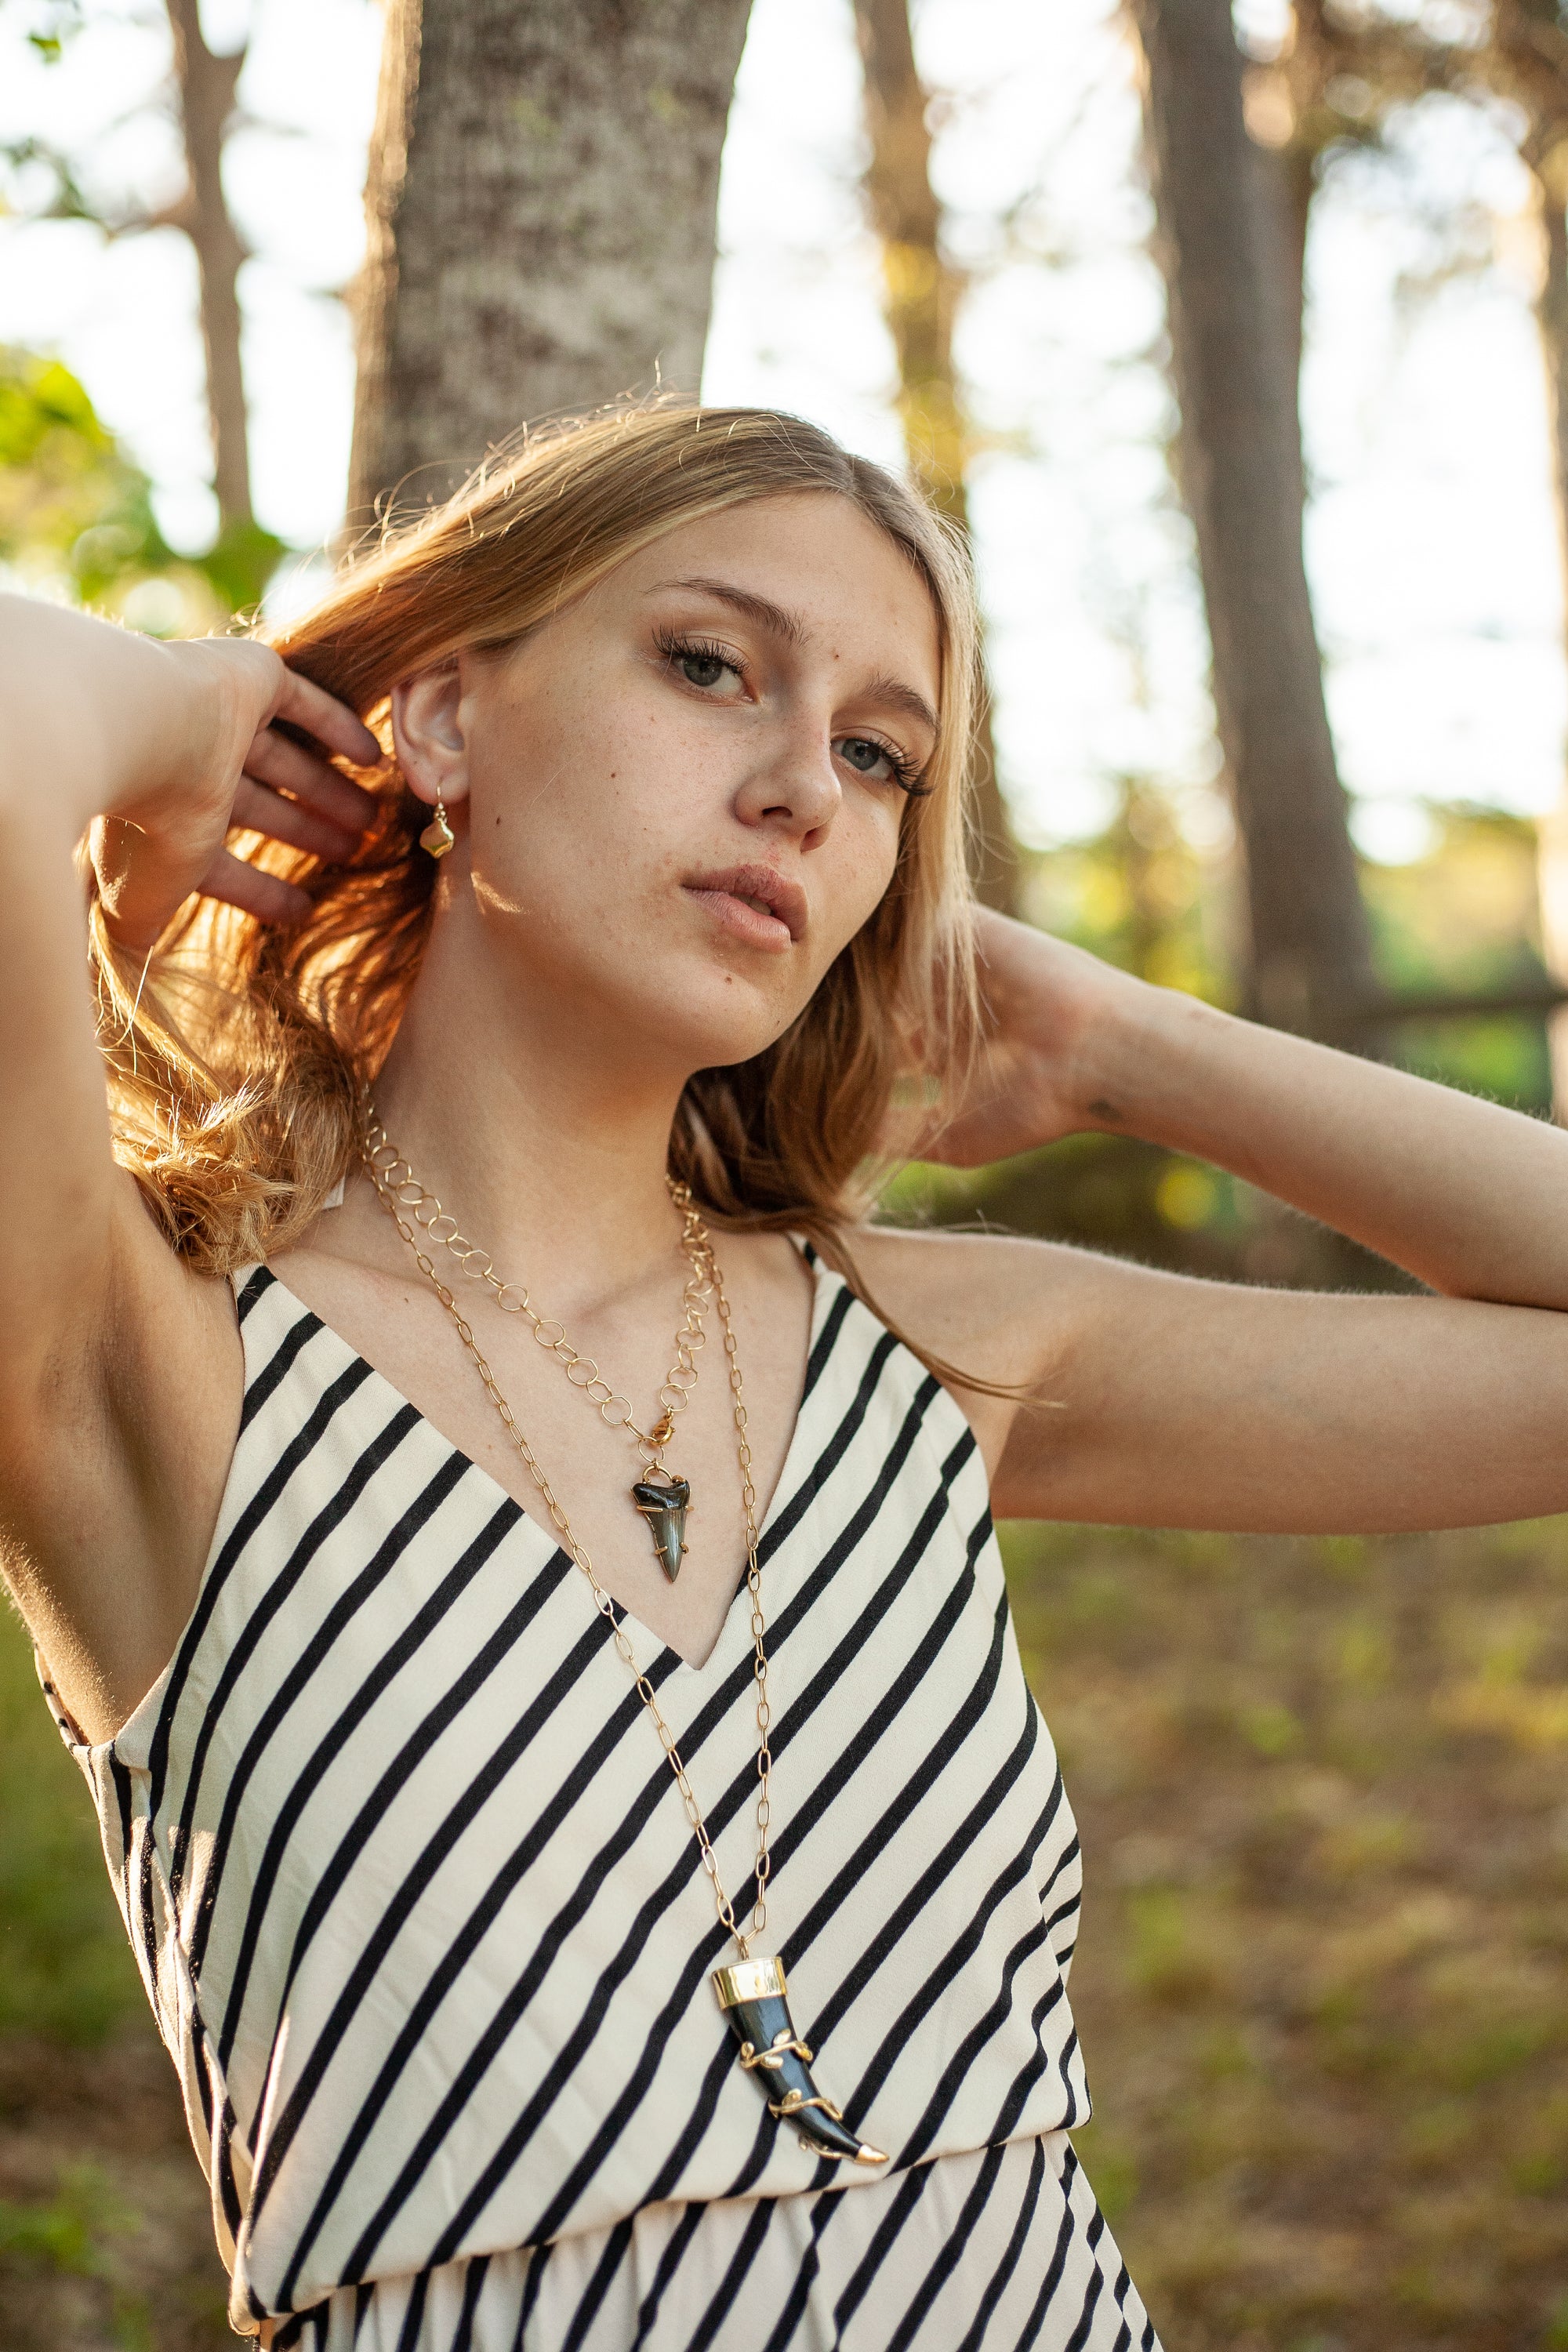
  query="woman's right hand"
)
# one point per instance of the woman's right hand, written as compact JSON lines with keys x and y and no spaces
{"x":230,"y":767}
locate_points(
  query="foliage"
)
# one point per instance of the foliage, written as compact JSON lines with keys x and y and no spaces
{"x":1141,"y":895}
{"x":1323,"y":1793}
{"x":77,"y":519}
{"x":71,"y":504}
{"x":66,"y":1970}
{"x":54,"y":24}
{"x":1461,"y":920}
{"x":1464,"y":920}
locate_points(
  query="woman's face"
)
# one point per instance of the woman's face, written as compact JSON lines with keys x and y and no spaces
{"x":676,"y":800}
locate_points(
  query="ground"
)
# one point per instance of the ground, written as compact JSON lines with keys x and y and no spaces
{"x":1324,"y":1792}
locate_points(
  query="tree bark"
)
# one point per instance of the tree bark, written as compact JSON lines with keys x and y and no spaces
{"x":541,"y":211}
{"x":1551,"y":870}
{"x":1222,"y":250}
{"x":206,"y":88}
{"x":921,"y":292}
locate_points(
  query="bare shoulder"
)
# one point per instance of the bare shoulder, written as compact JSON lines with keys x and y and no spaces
{"x":1002,"y":1307}
{"x":981,"y":1297}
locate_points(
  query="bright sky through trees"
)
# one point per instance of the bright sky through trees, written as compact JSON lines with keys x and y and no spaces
{"x":1430,"y":539}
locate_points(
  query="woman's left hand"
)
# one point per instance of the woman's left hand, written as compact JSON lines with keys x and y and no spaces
{"x":1048,"y":1011}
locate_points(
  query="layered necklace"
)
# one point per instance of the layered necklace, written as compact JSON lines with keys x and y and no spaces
{"x":662,"y":1497}
{"x":752,"y":1991}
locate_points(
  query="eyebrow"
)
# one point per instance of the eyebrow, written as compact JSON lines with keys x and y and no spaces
{"x":781,"y":622}
{"x":775,"y":618}
{"x":894,"y":691}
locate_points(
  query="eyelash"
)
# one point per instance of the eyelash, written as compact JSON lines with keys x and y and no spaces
{"x":907,"y":773}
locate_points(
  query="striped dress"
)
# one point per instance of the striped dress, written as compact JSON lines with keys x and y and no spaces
{"x":427,"y":1935}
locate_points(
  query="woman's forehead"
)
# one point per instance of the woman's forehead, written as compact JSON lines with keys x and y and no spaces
{"x":813,"y":569}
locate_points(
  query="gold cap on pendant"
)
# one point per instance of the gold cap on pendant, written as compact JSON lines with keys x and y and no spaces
{"x":750,"y":1980}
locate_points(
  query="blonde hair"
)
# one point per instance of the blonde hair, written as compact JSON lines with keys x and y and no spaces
{"x":238,"y":1057}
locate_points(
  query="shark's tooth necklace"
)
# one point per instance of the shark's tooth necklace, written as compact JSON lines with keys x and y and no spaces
{"x":661,"y":1495}
{"x":751,"y":1992}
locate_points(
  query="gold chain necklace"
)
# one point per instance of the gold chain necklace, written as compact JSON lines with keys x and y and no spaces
{"x":660,"y":1494}
{"x":752,"y":1993}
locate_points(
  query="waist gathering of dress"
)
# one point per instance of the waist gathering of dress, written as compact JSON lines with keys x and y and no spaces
{"x":428,"y":1935}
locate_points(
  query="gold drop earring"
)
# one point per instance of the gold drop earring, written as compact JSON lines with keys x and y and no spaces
{"x":437,"y":836}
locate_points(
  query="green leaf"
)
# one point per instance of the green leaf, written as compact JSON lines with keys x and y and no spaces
{"x":76,"y":514}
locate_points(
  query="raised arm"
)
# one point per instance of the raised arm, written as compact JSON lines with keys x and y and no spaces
{"x":116,"y":1366}
{"x":1170,"y":1402}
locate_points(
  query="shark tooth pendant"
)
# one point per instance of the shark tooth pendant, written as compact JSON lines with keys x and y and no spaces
{"x":754,"y":1997}
{"x":664,"y":1502}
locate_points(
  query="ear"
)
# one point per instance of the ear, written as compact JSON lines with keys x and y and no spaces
{"x":428,"y":733}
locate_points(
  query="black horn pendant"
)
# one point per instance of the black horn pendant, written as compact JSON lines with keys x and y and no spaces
{"x":754,"y":1997}
{"x":664,"y":1502}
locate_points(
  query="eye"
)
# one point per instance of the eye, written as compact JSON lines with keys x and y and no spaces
{"x":702,"y":665}
{"x":881,"y":763}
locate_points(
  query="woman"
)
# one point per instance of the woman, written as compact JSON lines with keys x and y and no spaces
{"x":599,"y":877}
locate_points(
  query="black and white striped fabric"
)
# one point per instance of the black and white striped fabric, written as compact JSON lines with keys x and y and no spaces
{"x":428,"y":1935}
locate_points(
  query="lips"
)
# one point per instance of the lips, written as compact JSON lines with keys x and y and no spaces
{"x":754,"y":903}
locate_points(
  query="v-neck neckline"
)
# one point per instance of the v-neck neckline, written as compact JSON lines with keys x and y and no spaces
{"x":785,"y":1484}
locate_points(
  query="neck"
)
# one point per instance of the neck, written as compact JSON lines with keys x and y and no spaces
{"x":540,"y":1130}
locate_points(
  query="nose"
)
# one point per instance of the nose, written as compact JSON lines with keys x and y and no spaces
{"x":796,"y":792}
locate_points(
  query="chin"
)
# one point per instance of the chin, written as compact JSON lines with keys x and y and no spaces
{"x":718,"y":1045}
{"x":712,"y":1020}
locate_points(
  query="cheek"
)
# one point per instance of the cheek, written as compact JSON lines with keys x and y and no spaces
{"x":557,"y":785}
{"x":867,"y":844}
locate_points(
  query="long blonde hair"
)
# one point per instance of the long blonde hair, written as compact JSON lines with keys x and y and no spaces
{"x":237,"y":1055}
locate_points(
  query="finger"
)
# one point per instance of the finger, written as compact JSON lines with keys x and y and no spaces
{"x":273,"y":760}
{"x":256,"y":809}
{"x":332,"y":722}
{"x":265,"y":895}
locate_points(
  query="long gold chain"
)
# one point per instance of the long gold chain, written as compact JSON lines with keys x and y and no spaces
{"x":384,"y":1160}
{"x":392,"y":1202}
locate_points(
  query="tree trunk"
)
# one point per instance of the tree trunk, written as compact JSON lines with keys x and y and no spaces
{"x":1552,"y":319}
{"x":542,"y":210}
{"x":1221,"y":246}
{"x":921,"y":298}
{"x":206,"y":87}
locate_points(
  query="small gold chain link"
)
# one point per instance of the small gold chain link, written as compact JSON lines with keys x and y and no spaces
{"x":393,"y":1178}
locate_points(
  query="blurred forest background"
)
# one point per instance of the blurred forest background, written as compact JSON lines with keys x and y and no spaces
{"x":1240,"y":342}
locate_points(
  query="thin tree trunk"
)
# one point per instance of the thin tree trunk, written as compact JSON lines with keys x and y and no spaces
{"x":541,"y":208}
{"x":921,"y":298}
{"x":1552,"y":319}
{"x":1220,"y":240}
{"x":206,"y":88}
